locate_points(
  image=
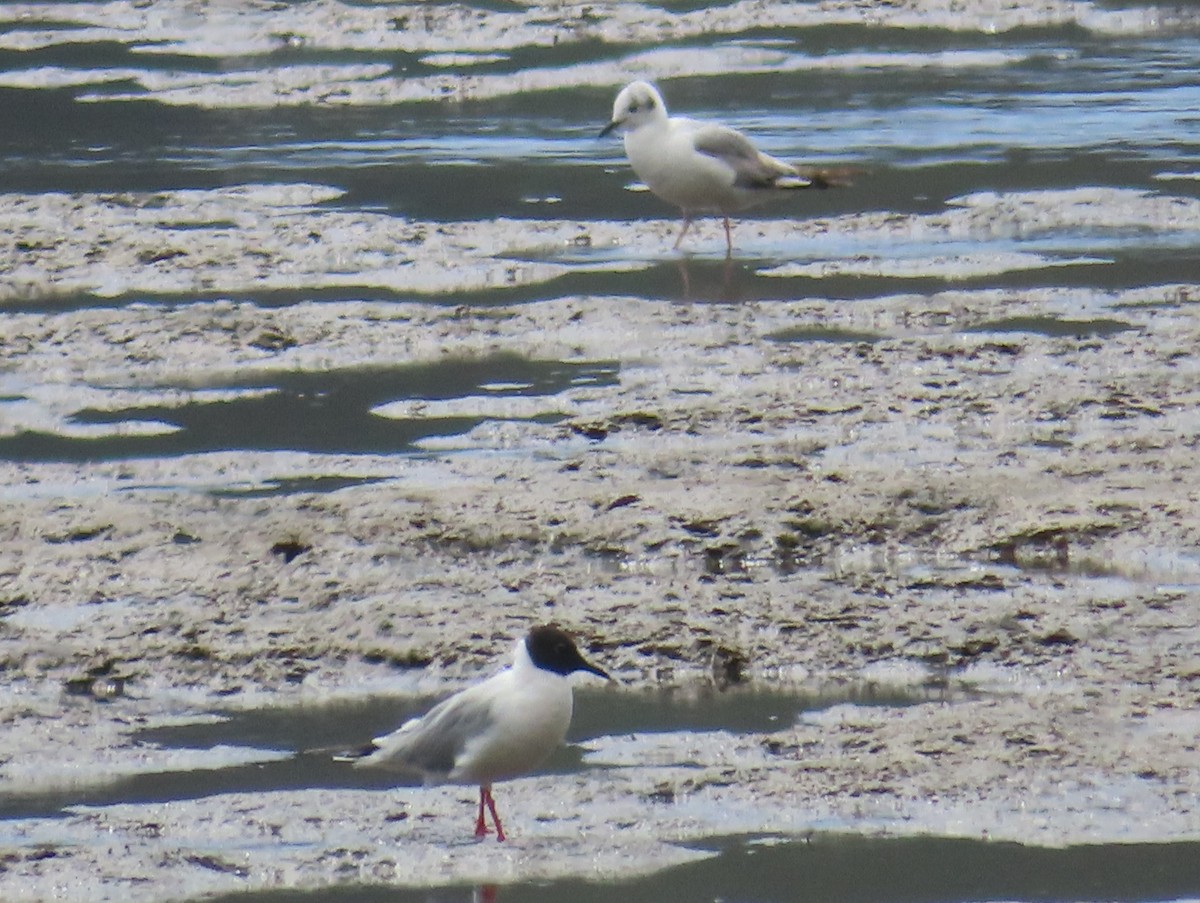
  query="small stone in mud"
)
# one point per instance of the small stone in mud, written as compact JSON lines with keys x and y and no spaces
{"x":151,"y":257}
{"x":811,"y":527}
{"x":622,"y":501}
{"x":592,"y":431}
{"x":405,"y":660}
{"x":774,"y":747}
{"x":1060,"y":637}
{"x":82,"y":534}
{"x":100,"y":683}
{"x":212,"y":863}
{"x":702,"y":527}
{"x":196,"y":652}
{"x":271,"y":339}
{"x":639,"y":419}
{"x":663,"y":793}
{"x":975,"y":647}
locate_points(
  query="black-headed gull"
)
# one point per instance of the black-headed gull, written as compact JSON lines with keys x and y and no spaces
{"x":495,"y":730}
{"x":700,"y":167}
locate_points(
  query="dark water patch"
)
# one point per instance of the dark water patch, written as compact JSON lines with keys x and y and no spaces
{"x":704,"y":276}
{"x":545,"y":144}
{"x":864,"y":113}
{"x":32,"y":22}
{"x":65,"y":145}
{"x":320,"y":412}
{"x":264,"y":298}
{"x":90,"y":55}
{"x":143,"y":146}
{"x":1052,"y":442}
{"x":598,"y":713}
{"x":1054,"y":327}
{"x":701,"y":273}
{"x":294,"y":486}
{"x":802,"y":334}
{"x":1136,"y":269}
{"x":311,"y":735}
{"x":1142,"y":267}
{"x":87,"y":54}
{"x":660,"y":281}
{"x":472,"y":169}
{"x":845,"y":869}
{"x":292,"y":773}
{"x":496,"y":6}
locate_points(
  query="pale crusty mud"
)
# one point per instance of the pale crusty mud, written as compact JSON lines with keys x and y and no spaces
{"x":991,"y":490}
{"x":1009,"y":510}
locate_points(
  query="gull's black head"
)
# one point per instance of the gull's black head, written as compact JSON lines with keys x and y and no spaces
{"x":552,"y":650}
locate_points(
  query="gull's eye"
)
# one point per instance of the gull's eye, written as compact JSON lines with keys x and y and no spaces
{"x":633,"y":108}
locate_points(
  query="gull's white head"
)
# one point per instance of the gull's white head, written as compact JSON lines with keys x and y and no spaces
{"x":638,"y":104}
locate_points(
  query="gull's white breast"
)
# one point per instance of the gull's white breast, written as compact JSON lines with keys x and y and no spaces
{"x":529,"y":711}
{"x":664,"y":156}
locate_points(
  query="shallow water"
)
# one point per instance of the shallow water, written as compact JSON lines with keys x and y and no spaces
{"x":311,"y":411}
{"x":927,"y":115}
{"x":309,"y":736}
{"x":823,"y":865}
{"x":849,"y":869}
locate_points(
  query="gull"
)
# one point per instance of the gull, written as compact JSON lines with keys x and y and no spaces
{"x":495,"y":730}
{"x":700,"y":167}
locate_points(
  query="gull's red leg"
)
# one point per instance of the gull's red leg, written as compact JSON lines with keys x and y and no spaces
{"x":480,"y":825}
{"x":491,"y":804}
{"x":728,"y":239}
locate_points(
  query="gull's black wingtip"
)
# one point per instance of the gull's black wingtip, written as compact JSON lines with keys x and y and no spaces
{"x":355,"y":755}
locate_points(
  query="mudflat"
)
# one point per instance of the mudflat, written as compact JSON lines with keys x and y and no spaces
{"x":267,"y":443}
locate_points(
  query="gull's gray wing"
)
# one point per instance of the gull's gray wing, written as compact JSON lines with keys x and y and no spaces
{"x":752,"y":168}
{"x":431,"y":745}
